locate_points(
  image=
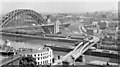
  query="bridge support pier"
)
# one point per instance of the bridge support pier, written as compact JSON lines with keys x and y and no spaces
{"x":81,"y":58}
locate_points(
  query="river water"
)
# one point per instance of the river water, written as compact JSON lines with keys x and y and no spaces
{"x":34,"y":42}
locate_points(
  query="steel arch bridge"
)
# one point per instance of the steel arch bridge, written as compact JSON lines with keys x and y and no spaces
{"x":18,"y":20}
{"x":19,"y":16}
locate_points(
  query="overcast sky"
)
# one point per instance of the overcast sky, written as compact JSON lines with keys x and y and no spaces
{"x":61,"y":7}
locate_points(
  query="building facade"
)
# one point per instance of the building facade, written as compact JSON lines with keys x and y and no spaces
{"x":43,"y":57}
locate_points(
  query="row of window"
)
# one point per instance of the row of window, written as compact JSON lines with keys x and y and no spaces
{"x":45,"y":57}
{"x":40,"y":54}
{"x":41,"y":57}
{"x":44,"y":62}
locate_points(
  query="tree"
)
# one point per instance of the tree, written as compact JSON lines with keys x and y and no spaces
{"x":27,"y":61}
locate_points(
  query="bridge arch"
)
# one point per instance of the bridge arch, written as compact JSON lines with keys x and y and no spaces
{"x":21,"y":12}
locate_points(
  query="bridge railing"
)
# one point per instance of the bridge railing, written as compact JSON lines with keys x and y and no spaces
{"x":79,"y":52}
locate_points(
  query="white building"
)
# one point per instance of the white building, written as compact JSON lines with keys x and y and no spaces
{"x":43,"y":57}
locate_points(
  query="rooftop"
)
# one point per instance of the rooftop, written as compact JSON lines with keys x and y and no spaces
{"x":31,"y":51}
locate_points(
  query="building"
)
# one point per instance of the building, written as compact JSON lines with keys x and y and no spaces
{"x":91,"y":29}
{"x":102,"y":25}
{"x":90,"y":32}
{"x":43,"y":57}
{"x":88,"y":21}
{"x":112,"y":26}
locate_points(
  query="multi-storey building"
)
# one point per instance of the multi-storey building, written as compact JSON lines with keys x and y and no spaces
{"x":43,"y":57}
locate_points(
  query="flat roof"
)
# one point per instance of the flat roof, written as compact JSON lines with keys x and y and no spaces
{"x":34,"y":51}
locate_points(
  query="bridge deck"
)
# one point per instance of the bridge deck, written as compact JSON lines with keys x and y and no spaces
{"x":78,"y":51}
{"x":32,"y":26}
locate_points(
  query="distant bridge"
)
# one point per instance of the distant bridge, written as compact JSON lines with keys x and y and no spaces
{"x":21,"y":19}
{"x":20,"y":14}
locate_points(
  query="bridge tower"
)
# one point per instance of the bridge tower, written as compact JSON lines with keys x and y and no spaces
{"x":56,"y":27}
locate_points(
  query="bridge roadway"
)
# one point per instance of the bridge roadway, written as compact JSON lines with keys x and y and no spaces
{"x":78,"y":51}
{"x":34,"y":26}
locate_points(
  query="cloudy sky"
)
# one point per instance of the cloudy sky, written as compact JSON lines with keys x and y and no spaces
{"x":61,"y":7}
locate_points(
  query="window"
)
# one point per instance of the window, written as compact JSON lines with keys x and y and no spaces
{"x":41,"y":62}
{"x":45,"y":62}
{"x":38,"y":63}
{"x":38,"y":58}
{"x":35,"y":55}
{"x":38,"y":54}
{"x":27,"y":55}
{"x":41,"y":58}
{"x":44,"y":57}
{"x":50,"y":60}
